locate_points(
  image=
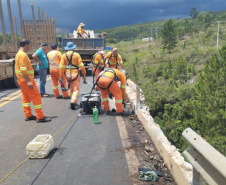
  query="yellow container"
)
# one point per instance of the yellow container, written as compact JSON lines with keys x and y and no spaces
{"x":45,"y":140}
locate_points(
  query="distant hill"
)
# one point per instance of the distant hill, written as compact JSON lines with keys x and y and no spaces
{"x":138,"y":31}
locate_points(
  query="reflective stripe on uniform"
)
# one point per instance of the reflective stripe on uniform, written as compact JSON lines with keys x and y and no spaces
{"x":26,"y":104}
{"x":62,"y":66}
{"x":72,"y":67}
{"x":118,"y":101}
{"x":23,"y":68}
{"x":17,"y":72}
{"x":30,"y":72}
{"x":70,"y":94}
{"x":55,"y":87}
{"x":76,"y":93}
{"x":80,"y":65}
{"x":38,"y":106}
{"x":123,"y":86}
{"x":112,"y":63}
{"x":104,"y":99}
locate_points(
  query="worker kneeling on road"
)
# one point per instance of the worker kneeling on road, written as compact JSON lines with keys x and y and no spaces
{"x":98,"y":64}
{"x":107,"y":82}
{"x":71,"y":61}
{"x":54,"y":57}
{"x":25,"y":76}
{"x":113,"y":60}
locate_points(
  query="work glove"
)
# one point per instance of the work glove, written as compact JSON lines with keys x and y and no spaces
{"x":110,"y":95}
{"x":124,"y":103}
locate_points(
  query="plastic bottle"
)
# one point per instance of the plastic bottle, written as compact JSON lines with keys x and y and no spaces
{"x":95,"y":115}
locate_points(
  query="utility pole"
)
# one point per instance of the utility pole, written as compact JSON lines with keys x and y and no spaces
{"x":218,"y":30}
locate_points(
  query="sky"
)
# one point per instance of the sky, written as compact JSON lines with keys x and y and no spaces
{"x":101,"y":14}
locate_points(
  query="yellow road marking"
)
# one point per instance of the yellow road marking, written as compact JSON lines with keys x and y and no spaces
{"x":12,"y":97}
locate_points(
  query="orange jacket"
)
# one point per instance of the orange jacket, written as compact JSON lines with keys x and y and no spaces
{"x":113,"y":60}
{"x":121,"y":77}
{"x":23,"y":66}
{"x":76,"y":60}
{"x":81,"y":30}
{"x":98,"y":59}
{"x":54,"y":57}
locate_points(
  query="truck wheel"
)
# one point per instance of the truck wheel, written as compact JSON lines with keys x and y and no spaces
{"x":12,"y":82}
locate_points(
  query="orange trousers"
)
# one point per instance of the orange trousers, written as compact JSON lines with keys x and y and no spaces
{"x":114,"y":89}
{"x":28,"y":96}
{"x":56,"y":79}
{"x":96,"y":73}
{"x":74,"y":88}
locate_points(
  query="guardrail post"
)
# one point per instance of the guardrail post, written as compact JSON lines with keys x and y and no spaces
{"x":138,"y":106}
{"x":209,"y":165}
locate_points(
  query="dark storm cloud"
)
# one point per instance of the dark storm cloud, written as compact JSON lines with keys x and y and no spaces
{"x":97,"y":14}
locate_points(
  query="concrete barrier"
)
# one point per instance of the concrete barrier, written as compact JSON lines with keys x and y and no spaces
{"x":180,"y":170}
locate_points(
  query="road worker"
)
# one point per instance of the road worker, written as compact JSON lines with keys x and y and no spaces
{"x":42,"y":66}
{"x":81,"y":31}
{"x":113,"y":60}
{"x":54,"y":58}
{"x":98,"y":64}
{"x":29,"y":89}
{"x":71,"y":62}
{"x":107,"y":82}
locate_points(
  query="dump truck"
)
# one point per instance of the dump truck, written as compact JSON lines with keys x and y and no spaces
{"x":35,"y":30}
{"x":86,"y":47}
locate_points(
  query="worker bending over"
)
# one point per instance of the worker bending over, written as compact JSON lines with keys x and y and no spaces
{"x":113,"y":60}
{"x":98,"y":64}
{"x":71,"y":62}
{"x":54,"y":58}
{"x":107,"y":82}
{"x":81,"y":30}
{"x":25,"y":78}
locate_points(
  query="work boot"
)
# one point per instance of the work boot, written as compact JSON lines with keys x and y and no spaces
{"x":59,"y":97}
{"x":67,"y":97}
{"x":44,"y":119}
{"x":73,"y":106}
{"x":30,"y":118}
{"x":123,"y":113}
{"x":109,"y":113}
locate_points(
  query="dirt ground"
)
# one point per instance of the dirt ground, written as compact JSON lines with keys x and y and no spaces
{"x":146,"y":152}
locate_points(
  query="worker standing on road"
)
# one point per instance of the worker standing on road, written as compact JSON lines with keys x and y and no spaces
{"x":54,"y":58}
{"x":113,"y":60}
{"x":29,"y":89}
{"x":42,"y":66}
{"x":107,"y":82}
{"x":81,"y":31}
{"x":98,"y":64}
{"x":71,"y":62}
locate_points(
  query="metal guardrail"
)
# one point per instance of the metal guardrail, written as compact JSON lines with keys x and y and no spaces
{"x":209,"y":165}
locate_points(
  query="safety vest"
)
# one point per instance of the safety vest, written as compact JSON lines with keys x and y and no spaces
{"x":54,"y":62}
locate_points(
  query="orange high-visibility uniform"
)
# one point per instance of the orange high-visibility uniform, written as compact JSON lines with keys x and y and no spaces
{"x":114,"y":60}
{"x":80,"y":30}
{"x":98,"y":63}
{"x":118,"y":92}
{"x":73,"y":73}
{"x":54,"y":57}
{"x":23,"y":66}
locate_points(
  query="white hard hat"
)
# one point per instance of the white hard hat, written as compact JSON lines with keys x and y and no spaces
{"x":102,"y":52}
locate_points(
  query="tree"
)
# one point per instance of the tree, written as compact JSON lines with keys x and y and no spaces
{"x":193,"y":13}
{"x":168,"y":33}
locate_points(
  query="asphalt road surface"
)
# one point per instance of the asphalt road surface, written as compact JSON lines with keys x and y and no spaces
{"x":86,"y":154}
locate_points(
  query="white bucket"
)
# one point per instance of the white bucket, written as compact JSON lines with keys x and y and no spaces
{"x":44,"y":140}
